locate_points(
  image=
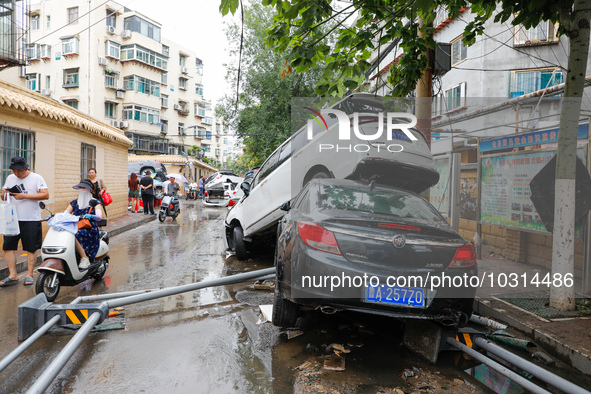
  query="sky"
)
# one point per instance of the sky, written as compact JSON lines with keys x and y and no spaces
{"x":198,"y":26}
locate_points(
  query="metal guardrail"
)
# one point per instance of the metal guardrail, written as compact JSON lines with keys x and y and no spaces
{"x":35,"y":311}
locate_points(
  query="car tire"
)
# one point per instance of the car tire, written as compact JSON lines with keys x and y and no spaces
{"x":239,"y":244}
{"x":285,"y":312}
{"x":158,"y":194}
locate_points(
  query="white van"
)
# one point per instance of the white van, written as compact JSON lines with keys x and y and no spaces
{"x":409,"y":165}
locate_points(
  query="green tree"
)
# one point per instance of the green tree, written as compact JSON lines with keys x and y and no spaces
{"x":261,"y":117}
{"x":297,"y":32}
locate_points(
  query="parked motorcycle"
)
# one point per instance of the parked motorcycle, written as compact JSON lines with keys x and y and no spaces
{"x":60,"y":260}
{"x":170,"y":206}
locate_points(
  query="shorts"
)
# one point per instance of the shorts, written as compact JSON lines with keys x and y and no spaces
{"x":133,"y":193}
{"x":31,"y":236}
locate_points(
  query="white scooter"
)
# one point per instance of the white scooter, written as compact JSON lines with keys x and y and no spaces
{"x":60,"y":260}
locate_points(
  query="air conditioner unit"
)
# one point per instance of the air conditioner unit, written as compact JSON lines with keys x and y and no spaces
{"x":22,"y":72}
{"x":46,"y":92}
{"x":177,"y":107}
{"x":124,"y":125}
{"x":126,"y":34}
{"x":115,"y":123}
{"x":103,"y":61}
{"x":111,"y":29}
{"x":120,"y":94}
{"x":185,"y":70}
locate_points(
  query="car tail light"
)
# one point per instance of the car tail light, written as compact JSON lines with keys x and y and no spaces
{"x":318,"y":237}
{"x":205,"y":193}
{"x":171,"y":206}
{"x":231,"y":203}
{"x":465,"y":257}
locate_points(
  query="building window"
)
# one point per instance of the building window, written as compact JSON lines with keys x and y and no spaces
{"x":73,"y":15}
{"x":137,"y":24}
{"x":110,"y":110}
{"x":208,"y":135}
{"x":111,"y":18}
{"x":142,"y":85}
{"x":15,"y":142}
{"x":455,"y":97}
{"x":33,"y":52}
{"x":524,"y":82}
{"x":48,"y":21}
{"x":198,"y":66}
{"x":164,"y":78}
{"x":164,"y":101}
{"x":70,"y":46}
{"x":459,"y":51}
{"x":111,"y":79}
{"x":182,"y":60}
{"x":141,"y":114}
{"x":47,"y":82}
{"x":206,"y":148}
{"x":87,"y":159}
{"x":45,"y":51}
{"x":72,"y":103}
{"x":70,"y":78}
{"x":543,"y":33}
{"x":199,"y":110}
{"x":33,"y":82}
{"x":138,"y":53}
{"x":201,"y":132}
{"x":35,"y":22}
{"x":113,"y":49}
{"x":207,"y":120}
{"x":183,"y":83}
{"x":199,"y":89}
{"x":181,"y":128}
{"x":165,"y":50}
{"x":164,"y":127}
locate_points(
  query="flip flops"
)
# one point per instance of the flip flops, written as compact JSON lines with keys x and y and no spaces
{"x":8,"y":282}
{"x":29,"y":281}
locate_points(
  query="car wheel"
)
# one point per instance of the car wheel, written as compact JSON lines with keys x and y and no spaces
{"x":285,"y":312}
{"x":158,"y":194}
{"x":239,"y":244}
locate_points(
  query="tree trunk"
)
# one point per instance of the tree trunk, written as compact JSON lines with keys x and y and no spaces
{"x":577,"y":23}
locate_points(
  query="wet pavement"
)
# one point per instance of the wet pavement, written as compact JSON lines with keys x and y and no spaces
{"x":215,"y":339}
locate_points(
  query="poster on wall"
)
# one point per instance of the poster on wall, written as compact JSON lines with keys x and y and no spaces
{"x":439,"y":194}
{"x":506,"y":196}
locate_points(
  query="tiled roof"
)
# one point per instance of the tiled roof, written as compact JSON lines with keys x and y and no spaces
{"x":170,"y":159}
{"x":26,"y":100}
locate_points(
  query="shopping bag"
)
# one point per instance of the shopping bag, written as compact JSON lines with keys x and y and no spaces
{"x":8,"y":218}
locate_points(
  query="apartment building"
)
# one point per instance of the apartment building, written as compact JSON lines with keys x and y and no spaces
{"x":219,"y":144}
{"x":114,"y":64}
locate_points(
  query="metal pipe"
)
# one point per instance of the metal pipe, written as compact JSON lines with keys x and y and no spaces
{"x":96,"y":297}
{"x":526,"y":384}
{"x":25,"y":345}
{"x":483,"y":321}
{"x":538,"y":372}
{"x":60,"y":361}
{"x":259,"y":274}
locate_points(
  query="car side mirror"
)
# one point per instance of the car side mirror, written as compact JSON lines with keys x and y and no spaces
{"x":245,"y":186}
{"x":286,"y":206}
{"x":41,"y":205}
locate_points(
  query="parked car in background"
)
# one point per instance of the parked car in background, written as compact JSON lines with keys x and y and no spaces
{"x":219,"y":194}
{"x":344,"y":228}
{"x":253,"y":220}
{"x":157,"y":170}
{"x":222,"y":176}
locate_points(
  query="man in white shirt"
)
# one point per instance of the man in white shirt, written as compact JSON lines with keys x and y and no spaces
{"x":32,"y":188}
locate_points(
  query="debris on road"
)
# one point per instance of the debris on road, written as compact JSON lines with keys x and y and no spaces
{"x":544,"y":358}
{"x":334,"y":363}
{"x":267,"y":311}
{"x":267,"y":284}
{"x":294,"y":333}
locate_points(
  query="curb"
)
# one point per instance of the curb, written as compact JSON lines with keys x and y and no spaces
{"x":22,"y":265}
{"x":562,"y":351}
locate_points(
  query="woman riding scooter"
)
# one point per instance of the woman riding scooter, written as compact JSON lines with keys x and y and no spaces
{"x":87,"y":240}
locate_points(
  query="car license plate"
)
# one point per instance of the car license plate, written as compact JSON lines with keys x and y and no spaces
{"x":403,"y":296}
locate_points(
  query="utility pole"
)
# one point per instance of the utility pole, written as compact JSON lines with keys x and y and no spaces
{"x":425,"y":90}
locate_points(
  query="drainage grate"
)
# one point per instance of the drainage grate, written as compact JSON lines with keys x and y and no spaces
{"x":538,"y":303}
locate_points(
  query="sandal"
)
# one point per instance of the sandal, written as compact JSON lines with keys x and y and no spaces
{"x":29,"y":281}
{"x":8,"y":282}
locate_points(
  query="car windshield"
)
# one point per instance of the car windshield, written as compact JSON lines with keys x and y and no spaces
{"x":378,"y":201}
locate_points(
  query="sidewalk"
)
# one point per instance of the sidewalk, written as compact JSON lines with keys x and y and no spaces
{"x":568,"y":339}
{"x":114,"y":227}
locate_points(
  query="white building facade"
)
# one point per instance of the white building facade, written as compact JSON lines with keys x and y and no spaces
{"x":113,"y":64}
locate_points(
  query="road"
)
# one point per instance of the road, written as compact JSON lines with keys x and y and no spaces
{"x":211,"y":340}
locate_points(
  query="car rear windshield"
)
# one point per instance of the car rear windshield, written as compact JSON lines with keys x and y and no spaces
{"x":395,"y":203}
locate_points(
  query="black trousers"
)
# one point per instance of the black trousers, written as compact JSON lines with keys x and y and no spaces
{"x":148,"y":201}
